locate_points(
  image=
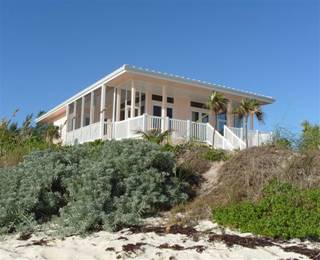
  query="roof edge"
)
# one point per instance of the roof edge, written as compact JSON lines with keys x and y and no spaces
{"x":200,"y":83}
{"x":91,"y":87}
{"x":160,"y":75}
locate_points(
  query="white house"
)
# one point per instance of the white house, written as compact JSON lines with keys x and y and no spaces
{"x":132,"y":98}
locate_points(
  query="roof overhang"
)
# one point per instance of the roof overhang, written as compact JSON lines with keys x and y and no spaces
{"x":158,"y":75}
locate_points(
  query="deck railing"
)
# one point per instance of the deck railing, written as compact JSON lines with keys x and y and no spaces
{"x":255,"y":137}
{"x":232,"y":138}
{"x":236,"y":142}
{"x":83,"y":134}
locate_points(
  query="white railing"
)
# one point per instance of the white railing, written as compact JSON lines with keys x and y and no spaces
{"x":155,"y":122}
{"x":219,"y":141}
{"x":83,"y":134}
{"x":237,"y":131}
{"x":255,"y":137}
{"x":235,"y":141}
{"x":128,"y":128}
{"x":198,"y":132}
{"x":180,"y":129}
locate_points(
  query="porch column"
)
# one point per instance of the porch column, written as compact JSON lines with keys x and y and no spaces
{"x":133,"y":99}
{"x":164,"y":109}
{"x":112,"y":135}
{"x":92,"y":108}
{"x":102,"y":109}
{"x":68,"y":117}
{"x":230,"y":116}
{"x":251,"y":121}
{"x":148,"y":102}
{"x":126,"y":104}
{"x":164,"y":102}
{"x":82,"y":112}
{"x":114,"y":104}
{"x":118,"y":102}
{"x":74,"y":115}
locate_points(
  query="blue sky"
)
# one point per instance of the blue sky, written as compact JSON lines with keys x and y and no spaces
{"x":51,"y":49}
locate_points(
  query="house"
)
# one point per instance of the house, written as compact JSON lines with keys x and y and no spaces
{"x":132,"y":98}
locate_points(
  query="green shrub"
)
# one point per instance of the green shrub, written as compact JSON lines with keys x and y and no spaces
{"x":310,"y":139}
{"x":89,"y":187}
{"x":215,"y":155}
{"x":283,"y":212}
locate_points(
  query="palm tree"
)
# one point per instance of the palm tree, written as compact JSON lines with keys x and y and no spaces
{"x":249,"y":107}
{"x":154,"y":135}
{"x":216,"y":103}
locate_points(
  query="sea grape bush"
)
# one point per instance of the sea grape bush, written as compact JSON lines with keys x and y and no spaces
{"x":89,"y":187}
{"x":283,"y":212}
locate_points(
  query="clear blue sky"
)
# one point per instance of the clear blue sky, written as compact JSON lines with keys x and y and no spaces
{"x":49,"y":50}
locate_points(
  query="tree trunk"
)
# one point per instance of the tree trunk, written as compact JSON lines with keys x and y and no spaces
{"x":246,"y":129}
{"x":214,"y":131}
{"x":215,"y":127}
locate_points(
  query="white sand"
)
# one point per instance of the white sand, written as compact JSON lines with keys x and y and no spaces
{"x":95,"y":245}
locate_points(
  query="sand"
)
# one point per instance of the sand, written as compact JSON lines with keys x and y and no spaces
{"x":127,"y":245}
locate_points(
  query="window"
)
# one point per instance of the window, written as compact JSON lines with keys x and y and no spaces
{"x":197,"y":104}
{"x":156,"y":110}
{"x":222,"y":120}
{"x":159,"y":98}
{"x":169,"y":112}
{"x":237,"y":122}
{"x":195,"y":116}
{"x":200,"y":117}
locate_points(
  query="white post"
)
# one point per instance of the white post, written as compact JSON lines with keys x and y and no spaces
{"x":118,"y":106}
{"x":102,"y":109}
{"x":166,"y":123}
{"x":133,"y":100}
{"x":92,"y":108}
{"x":82,"y":112}
{"x":144,"y":123}
{"x":188,"y":130}
{"x":163,"y":107}
{"x":74,"y":115}
{"x":114,"y":112}
{"x":67,"y":125}
{"x":139,"y":108}
{"x":126,"y":105}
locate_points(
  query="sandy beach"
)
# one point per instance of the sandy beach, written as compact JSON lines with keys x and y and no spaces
{"x":203,"y":242}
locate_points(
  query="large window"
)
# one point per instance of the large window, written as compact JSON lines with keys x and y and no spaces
{"x":238,"y":122}
{"x":222,"y":120}
{"x":200,"y":117}
{"x":125,"y":107}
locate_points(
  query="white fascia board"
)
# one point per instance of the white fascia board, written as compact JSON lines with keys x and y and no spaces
{"x":92,"y":87}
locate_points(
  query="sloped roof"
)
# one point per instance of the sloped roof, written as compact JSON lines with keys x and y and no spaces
{"x":160,"y":75}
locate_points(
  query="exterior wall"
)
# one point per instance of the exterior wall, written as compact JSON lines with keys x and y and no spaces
{"x":61,"y":123}
{"x":181,"y":108}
